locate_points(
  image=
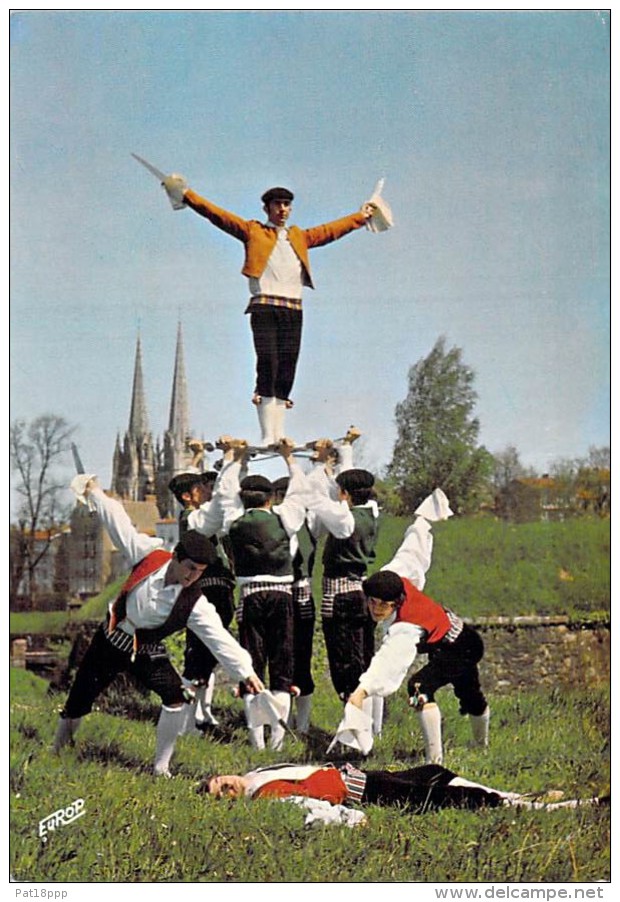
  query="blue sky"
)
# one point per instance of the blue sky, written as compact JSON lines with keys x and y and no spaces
{"x":490,"y":128}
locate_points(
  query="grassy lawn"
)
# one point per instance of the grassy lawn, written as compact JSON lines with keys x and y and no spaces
{"x":137,"y":829}
{"x":140,"y":829}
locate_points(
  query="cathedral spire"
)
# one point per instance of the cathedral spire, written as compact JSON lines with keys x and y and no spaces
{"x":179,"y":406}
{"x":138,"y":418}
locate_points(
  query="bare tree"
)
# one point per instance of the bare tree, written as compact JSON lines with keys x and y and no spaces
{"x":36,"y":449}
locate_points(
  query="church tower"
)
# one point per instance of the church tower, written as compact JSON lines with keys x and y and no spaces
{"x":175,"y":456}
{"x":133,"y":466}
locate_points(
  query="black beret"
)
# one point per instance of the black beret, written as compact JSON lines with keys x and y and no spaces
{"x":350,"y":480}
{"x":281,"y":484}
{"x":277,"y":194}
{"x":209,"y":477}
{"x":183,"y":482}
{"x":256,"y":484}
{"x":197,"y":547}
{"x":386,"y":585}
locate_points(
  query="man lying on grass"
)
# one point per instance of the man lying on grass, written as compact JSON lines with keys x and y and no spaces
{"x":426,"y":788}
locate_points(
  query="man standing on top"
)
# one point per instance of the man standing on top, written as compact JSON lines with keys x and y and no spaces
{"x":277,"y":267}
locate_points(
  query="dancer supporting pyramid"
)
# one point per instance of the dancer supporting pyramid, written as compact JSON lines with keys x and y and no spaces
{"x":260,"y":535}
{"x":342,"y":506}
{"x":278,"y":268}
{"x":192,"y":490}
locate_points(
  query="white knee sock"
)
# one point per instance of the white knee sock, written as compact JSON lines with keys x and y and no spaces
{"x":303,"y":705}
{"x":65,"y":731}
{"x":171,"y":724}
{"x":204,"y":697}
{"x":480,"y":727}
{"x":377,"y":714}
{"x":257,"y":734}
{"x":278,"y":732}
{"x":430,"y":722}
{"x":266,"y":418}
{"x":278,"y":419}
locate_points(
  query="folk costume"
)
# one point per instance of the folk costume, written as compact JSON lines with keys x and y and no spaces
{"x":304,"y":618}
{"x":218,"y":587}
{"x":351,"y":535}
{"x":420,"y":625}
{"x":146,"y":611}
{"x":327,"y":791}
{"x":277,"y":267}
{"x":261,"y":541}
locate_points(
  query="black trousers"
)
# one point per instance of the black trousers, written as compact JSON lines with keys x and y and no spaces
{"x":425,"y":787}
{"x":456,"y":663}
{"x":304,"y":617}
{"x":199,"y":663}
{"x":277,"y":338}
{"x":103,"y":662}
{"x":350,"y":641}
{"x":266,"y":631}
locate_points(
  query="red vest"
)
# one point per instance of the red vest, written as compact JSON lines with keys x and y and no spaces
{"x":421,"y":610}
{"x":326,"y":784}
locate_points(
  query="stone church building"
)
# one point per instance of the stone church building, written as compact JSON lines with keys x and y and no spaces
{"x":142,"y":467}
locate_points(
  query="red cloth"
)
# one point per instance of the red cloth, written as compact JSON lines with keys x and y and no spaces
{"x":325,"y":784}
{"x":418,"y":608}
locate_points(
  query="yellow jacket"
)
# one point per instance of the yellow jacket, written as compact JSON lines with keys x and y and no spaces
{"x":260,"y":239}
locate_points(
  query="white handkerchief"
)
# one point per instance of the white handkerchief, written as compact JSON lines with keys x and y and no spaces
{"x":263,"y":709}
{"x":435,"y":507}
{"x":78,"y":484}
{"x":382,"y":219}
{"x":354,"y":730}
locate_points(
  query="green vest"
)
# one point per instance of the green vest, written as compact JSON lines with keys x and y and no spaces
{"x":351,"y":557}
{"x":260,"y":545}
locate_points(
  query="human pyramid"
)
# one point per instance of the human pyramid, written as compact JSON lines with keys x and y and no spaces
{"x":243,"y":537}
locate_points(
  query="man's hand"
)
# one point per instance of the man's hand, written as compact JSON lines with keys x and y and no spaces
{"x":285,"y":448}
{"x":357,"y":698}
{"x":322,"y":448}
{"x":254,"y":684}
{"x":368,"y":210}
{"x":234,"y":448}
{"x":353,"y":433}
{"x":90,"y":485}
{"x":175,"y":187}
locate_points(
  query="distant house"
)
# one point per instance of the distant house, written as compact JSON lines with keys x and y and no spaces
{"x":554,"y":498}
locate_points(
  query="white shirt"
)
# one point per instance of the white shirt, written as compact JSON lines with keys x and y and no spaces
{"x":150,"y":603}
{"x":397,"y":652}
{"x":283,"y":275}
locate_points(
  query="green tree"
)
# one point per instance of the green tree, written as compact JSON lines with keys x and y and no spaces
{"x":437,"y":434}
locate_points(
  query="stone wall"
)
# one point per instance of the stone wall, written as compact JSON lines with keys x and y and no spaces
{"x":543,"y":652}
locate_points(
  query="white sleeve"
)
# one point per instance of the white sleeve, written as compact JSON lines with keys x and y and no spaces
{"x":226,"y":495}
{"x":334,"y":516}
{"x":208,"y":518}
{"x":413,"y":558}
{"x":345,"y":457}
{"x":205,"y":622}
{"x":124,"y":535}
{"x":392,"y":660}
{"x":292,"y":511}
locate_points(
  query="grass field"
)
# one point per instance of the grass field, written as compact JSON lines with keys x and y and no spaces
{"x":138,"y":829}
